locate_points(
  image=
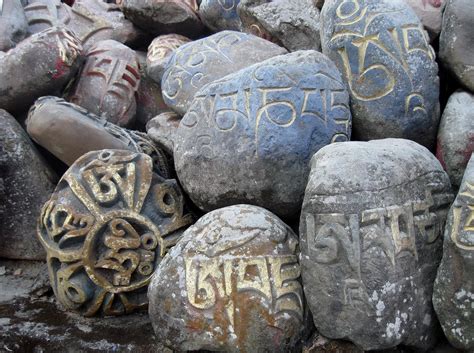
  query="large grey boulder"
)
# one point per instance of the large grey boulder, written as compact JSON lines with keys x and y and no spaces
{"x":230,"y":284}
{"x":370,"y":233}
{"x":456,"y":42}
{"x":249,"y":137}
{"x":453,"y":296}
{"x":25,"y":184}
{"x":383,"y":52}
{"x":198,"y":63}
{"x":456,"y":135}
{"x":13,"y":25}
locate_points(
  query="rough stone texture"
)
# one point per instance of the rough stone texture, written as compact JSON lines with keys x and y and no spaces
{"x":25,"y":183}
{"x":164,"y":16}
{"x":430,"y":13}
{"x":249,"y":137}
{"x":383,"y":53}
{"x":162,"y":130}
{"x":371,"y":242}
{"x":453,"y":296}
{"x":230,"y":284}
{"x":68,"y":132}
{"x":456,"y":135}
{"x":108,"y":83}
{"x":160,"y":51}
{"x":91,"y":20}
{"x":220,"y":15}
{"x":106,"y":228}
{"x":320,"y":344}
{"x":293,"y":24}
{"x":196,"y":64}
{"x":456,"y":43}
{"x":13,"y":25}
{"x":22,"y":79}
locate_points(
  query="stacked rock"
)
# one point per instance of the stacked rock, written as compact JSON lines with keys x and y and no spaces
{"x":249,"y":108}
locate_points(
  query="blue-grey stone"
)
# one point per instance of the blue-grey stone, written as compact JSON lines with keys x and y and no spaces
{"x":220,"y":15}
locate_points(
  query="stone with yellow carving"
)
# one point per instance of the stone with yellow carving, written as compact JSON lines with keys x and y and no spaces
{"x":232,"y":284}
{"x":383,"y":52}
{"x":106,"y":228}
{"x":453,"y":296}
{"x":371,"y":241}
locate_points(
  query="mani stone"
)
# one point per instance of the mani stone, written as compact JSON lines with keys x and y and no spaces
{"x":25,"y":183}
{"x":13,"y":25}
{"x":430,"y":13}
{"x":162,"y":130}
{"x":230,"y":284}
{"x":384,"y":55}
{"x":105,"y":229}
{"x":456,"y":135}
{"x":164,"y":16}
{"x":69,"y":131}
{"x":91,"y":20}
{"x":23,"y":79}
{"x":294,"y":24}
{"x":456,"y":43}
{"x":370,"y":233}
{"x":249,"y":137}
{"x":453,"y":296}
{"x":198,"y":63}
{"x":159,"y":52}
{"x":220,"y":15}
{"x":108,"y":82}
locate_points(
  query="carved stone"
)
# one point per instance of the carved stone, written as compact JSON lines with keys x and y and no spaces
{"x":162,"y":130}
{"x":68,"y":132}
{"x":13,"y":25}
{"x":22,"y":79}
{"x":253,"y":133}
{"x":456,"y":135}
{"x":220,"y":15}
{"x":160,"y":51}
{"x":164,"y":16}
{"x":453,"y":296}
{"x":384,"y":55}
{"x":456,"y":42}
{"x":196,"y":64}
{"x":108,"y":82}
{"x":91,"y":20}
{"x":371,"y":241}
{"x":293,"y":24}
{"x":430,"y":13}
{"x":230,"y":284}
{"x":25,"y":183}
{"x":106,"y":228}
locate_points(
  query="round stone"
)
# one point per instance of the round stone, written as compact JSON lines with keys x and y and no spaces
{"x":220,"y":15}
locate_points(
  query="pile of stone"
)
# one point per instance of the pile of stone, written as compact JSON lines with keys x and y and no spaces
{"x":252,"y":173}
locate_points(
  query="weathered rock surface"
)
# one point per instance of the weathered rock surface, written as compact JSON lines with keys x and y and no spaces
{"x":108,"y":83}
{"x":456,"y":42}
{"x":371,"y":242}
{"x":164,"y":16}
{"x":22,"y":80}
{"x":230,"y":284}
{"x":294,"y":24}
{"x":160,"y":51}
{"x":13,"y":25}
{"x":430,"y":13}
{"x":220,"y":15}
{"x":384,"y":55}
{"x":106,"y":228}
{"x":456,"y":135}
{"x":453,"y":296}
{"x":319,"y":3}
{"x":68,"y":132}
{"x":162,"y":130}
{"x":25,"y":184}
{"x":249,"y":137}
{"x":196,"y":64}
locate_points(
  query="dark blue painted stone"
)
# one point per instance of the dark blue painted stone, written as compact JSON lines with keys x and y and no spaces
{"x":249,"y":137}
{"x":220,"y":15}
